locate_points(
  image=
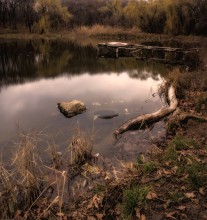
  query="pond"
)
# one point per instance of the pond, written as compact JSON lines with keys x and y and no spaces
{"x":35,"y":75}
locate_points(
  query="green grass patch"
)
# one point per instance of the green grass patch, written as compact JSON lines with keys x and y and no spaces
{"x":183,"y":143}
{"x":176,"y":198}
{"x":171,"y":153}
{"x":177,"y":144}
{"x":197,"y":174}
{"x":149,"y":167}
{"x":134,"y":197}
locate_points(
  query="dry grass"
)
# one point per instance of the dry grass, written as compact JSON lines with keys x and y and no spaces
{"x":21,"y":181}
{"x":80,"y":147}
{"x":101,"y":31}
{"x":180,"y":81}
{"x":29,"y":187}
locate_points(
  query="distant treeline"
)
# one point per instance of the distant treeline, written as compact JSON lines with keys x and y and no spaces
{"x":152,"y":16}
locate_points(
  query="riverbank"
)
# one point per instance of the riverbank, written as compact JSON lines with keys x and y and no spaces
{"x":99,"y":32}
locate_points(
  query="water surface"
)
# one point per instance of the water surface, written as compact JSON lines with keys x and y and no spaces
{"x":36,"y":75}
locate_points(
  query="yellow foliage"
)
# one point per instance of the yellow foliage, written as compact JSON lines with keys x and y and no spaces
{"x":51,"y":14}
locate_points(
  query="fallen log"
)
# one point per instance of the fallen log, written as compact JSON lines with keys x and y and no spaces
{"x":142,"y":120}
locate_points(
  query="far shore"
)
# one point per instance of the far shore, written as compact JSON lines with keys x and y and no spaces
{"x":99,"y":33}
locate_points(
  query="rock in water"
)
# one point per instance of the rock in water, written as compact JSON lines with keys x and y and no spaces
{"x":71,"y":108}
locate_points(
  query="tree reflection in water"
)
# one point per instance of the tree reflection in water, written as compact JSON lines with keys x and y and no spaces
{"x":23,"y":61}
{"x":36,"y":75}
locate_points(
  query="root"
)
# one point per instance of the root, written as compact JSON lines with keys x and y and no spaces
{"x":179,"y":119}
{"x":142,"y":120}
{"x":184,"y":117}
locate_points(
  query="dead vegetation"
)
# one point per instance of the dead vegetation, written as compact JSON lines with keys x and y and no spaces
{"x":171,"y":184}
{"x":101,"y":31}
{"x":31,"y":188}
{"x":22,"y":179}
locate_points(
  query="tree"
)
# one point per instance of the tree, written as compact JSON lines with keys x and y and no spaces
{"x":51,"y":14}
{"x":112,"y":12}
{"x":149,"y":15}
{"x":198,"y":10}
{"x":29,"y":15}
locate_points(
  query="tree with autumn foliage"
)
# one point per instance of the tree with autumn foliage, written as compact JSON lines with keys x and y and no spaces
{"x":51,"y":14}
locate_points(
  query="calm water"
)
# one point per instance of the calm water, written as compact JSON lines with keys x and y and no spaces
{"x":36,"y":75}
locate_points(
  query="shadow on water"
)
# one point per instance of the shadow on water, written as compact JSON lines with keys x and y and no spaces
{"x":36,"y":75}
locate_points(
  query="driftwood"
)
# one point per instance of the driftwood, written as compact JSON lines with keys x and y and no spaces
{"x":142,"y":120}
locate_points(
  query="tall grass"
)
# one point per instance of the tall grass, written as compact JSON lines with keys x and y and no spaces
{"x":80,"y":147}
{"x":29,"y":186}
{"x":105,"y":31}
{"x":22,"y":180}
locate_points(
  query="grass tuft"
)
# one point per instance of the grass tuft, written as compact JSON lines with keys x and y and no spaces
{"x":81,"y":147}
{"x":171,"y":153}
{"x":183,"y":143}
{"x":134,"y":197}
{"x":197,"y":174}
{"x":149,"y":167}
{"x":176,"y":198}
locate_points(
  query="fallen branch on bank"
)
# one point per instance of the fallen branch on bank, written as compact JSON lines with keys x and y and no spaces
{"x":142,"y":120}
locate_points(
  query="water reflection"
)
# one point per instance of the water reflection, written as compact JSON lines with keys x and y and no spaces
{"x":36,"y":75}
{"x":24,"y":61}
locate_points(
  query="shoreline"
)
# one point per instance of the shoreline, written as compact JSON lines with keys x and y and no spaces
{"x":84,"y":33}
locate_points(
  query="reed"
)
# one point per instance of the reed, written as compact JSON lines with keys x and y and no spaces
{"x":21,"y":180}
{"x":80,"y":148}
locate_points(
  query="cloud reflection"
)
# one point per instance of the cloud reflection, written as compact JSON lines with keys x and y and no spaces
{"x":33,"y":105}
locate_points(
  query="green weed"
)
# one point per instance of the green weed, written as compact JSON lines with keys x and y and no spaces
{"x":149,"y":167}
{"x":171,"y":153}
{"x":134,"y":197}
{"x":176,"y":197}
{"x":182,"y":143}
{"x":197,"y":174}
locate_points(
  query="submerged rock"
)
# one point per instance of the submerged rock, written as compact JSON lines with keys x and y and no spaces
{"x":71,"y":108}
{"x":133,"y":142}
{"x":105,"y":114}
